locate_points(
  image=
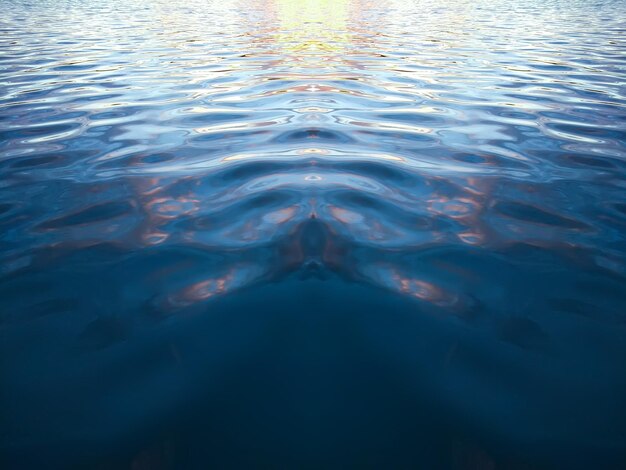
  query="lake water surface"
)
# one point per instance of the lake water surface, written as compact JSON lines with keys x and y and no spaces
{"x":313,"y":234}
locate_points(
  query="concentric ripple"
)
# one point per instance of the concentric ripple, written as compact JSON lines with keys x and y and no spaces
{"x":467,"y":155}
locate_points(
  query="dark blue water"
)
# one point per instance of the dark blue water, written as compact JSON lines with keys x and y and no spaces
{"x":313,"y":234}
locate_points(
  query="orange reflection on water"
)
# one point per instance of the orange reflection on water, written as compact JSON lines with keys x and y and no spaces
{"x":391,"y":278}
{"x":281,"y":216}
{"x":344,"y":215}
{"x":205,"y":289}
{"x":421,"y":289}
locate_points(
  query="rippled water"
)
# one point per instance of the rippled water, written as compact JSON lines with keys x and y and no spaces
{"x":314,"y":233}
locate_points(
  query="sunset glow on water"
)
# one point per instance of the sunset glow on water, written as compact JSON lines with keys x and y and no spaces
{"x":313,"y":234}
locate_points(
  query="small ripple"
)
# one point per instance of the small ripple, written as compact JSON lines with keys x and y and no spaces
{"x":89,"y":215}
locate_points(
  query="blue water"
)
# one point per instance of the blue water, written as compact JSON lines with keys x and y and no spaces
{"x":313,"y":234}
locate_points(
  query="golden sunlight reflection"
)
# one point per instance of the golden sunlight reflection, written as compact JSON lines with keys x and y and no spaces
{"x":312,"y":31}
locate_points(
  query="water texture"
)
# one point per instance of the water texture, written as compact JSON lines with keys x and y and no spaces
{"x":313,"y":234}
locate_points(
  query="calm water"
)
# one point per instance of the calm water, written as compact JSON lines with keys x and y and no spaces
{"x":313,"y":234}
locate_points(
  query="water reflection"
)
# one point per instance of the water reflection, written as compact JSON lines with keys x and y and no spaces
{"x":343,"y":233}
{"x":312,"y":29}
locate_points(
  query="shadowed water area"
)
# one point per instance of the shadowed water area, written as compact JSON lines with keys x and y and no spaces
{"x":313,"y":234}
